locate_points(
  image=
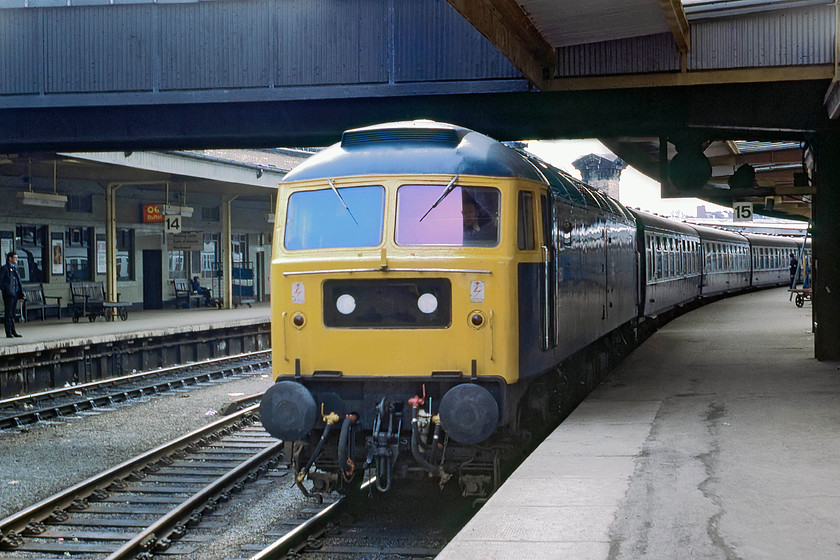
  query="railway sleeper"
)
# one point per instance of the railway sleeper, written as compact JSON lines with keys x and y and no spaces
{"x":11,"y":540}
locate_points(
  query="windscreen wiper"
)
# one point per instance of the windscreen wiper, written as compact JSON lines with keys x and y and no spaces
{"x":338,"y":194}
{"x":449,"y":188}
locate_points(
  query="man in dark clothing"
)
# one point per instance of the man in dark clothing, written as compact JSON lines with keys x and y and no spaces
{"x":199,"y":289}
{"x":12,"y":292}
{"x":794,"y":269}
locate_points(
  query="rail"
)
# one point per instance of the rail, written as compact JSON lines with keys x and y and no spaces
{"x":56,"y":403}
{"x":157,"y":535}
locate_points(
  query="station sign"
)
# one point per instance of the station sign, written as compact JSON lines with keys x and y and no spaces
{"x":152,"y":213}
{"x":186,"y":241}
{"x":742,"y":211}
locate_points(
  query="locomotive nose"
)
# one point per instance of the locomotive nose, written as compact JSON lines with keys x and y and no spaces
{"x":469,"y":413}
{"x":288,"y":411}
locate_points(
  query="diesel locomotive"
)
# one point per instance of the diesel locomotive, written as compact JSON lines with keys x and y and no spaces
{"x":428,"y":284}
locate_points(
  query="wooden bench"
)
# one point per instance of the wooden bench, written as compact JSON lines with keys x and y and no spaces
{"x":184,"y":293}
{"x":36,"y":301}
{"x":88,"y":300}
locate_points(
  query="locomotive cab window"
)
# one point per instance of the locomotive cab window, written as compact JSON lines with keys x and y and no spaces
{"x":435,"y":215}
{"x":335,"y":218}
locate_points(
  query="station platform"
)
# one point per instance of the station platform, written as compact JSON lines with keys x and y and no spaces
{"x":39,"y":335}
{"x":716,"y":439}
{"x":58,"y":352}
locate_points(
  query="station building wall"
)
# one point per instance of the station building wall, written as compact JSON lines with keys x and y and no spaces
{"x":60,"y":244}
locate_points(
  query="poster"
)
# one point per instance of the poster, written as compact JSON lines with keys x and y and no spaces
{"x":5,"y":248}
{"x":57,"y":259}
{"x":101,"y":257}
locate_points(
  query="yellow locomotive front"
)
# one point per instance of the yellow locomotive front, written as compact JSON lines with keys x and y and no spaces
{"x":394,"y":305}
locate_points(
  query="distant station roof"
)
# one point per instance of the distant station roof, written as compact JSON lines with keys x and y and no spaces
{"x":243,"y":172}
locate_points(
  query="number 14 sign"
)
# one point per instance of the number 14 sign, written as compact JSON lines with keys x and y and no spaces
{"x":173,"y":224}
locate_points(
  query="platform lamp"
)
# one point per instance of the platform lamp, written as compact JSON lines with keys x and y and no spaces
{"x":180,"y":210}
{"x":48,"y":200}
{"x":270,"y":216}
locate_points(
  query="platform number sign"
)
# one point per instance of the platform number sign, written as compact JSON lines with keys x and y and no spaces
{"x":173,"y":224}
{"x":742,"y":212}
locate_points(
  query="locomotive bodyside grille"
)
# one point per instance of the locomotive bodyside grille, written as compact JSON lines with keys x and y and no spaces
{"x":444,"y":137}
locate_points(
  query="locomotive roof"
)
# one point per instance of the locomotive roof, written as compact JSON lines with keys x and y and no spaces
{"x":411,"y":147}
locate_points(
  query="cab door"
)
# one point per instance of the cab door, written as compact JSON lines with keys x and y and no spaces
{"x":548,"y":280}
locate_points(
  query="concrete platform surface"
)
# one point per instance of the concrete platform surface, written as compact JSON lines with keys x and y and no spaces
{"x":716,"y":439}
{"x":37,"y":334}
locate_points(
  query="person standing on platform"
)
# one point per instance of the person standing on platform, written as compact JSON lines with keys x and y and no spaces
{"x":12,"y":292}
{"x":794,"y":266}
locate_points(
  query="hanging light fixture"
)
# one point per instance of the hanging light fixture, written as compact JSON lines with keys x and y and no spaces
{"x":177,"y":210}
{"x":48,"y":200}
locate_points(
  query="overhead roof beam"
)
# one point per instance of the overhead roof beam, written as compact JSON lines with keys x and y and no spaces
{"x":677,"y":22}
{"x":505,"y":25}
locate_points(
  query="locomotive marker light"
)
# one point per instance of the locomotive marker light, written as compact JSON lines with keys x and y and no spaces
{"x":288,"y":411}
{"x":346,"y":304}
{"x":477,"y":319}
{"x":469,"y":413}
{"x":427,"y":303}
{"x":298,"y":320}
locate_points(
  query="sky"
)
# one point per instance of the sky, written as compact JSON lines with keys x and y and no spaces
{"x":636,"y":190}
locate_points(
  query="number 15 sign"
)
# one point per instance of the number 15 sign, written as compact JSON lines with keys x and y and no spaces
{"x":742,"y":211}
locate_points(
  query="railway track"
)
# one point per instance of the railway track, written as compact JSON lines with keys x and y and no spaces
{"x":148,"y":504}
{"x":60,"y":404}
{"x":415,"y":522}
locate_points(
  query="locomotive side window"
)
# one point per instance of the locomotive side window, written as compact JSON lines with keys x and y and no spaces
{"x":525,"y":222}
{"x":465,"y":216}
{"x":344,"y":217}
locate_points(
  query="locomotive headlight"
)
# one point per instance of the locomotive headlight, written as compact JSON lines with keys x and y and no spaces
{"x":477,"y":319}
{"x":427,"y":303}
{"x":345,"y":304}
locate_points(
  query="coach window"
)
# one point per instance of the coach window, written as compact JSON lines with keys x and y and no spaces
{"x":695,"y":257}
{"x":77,"y":253}
{"x":30,"y":244}
{"x":649,"y":256}
{"x":672,"y":257}
{"x":708,"y":256}
{"x":525,"y":222}
{"x":658,"y":255}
